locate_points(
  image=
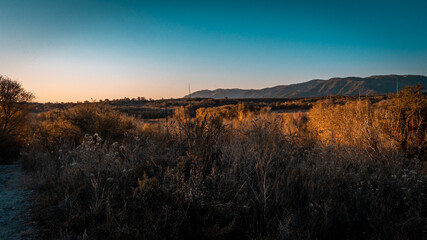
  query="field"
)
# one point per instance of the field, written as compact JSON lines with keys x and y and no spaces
{"x":313,"y":168}
{"x":221,"y":120}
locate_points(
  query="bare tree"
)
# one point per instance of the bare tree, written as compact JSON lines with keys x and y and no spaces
{"x":13,"y":106}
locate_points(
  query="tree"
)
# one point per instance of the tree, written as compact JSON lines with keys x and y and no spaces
{"x":14,"y":110}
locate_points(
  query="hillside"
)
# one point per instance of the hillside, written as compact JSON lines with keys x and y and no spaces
{"x":348,"y":86}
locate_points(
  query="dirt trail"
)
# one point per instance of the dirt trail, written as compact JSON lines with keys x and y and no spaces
{"x":14,"y":218}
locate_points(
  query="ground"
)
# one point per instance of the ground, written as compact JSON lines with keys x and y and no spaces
{"x":15,"y":222}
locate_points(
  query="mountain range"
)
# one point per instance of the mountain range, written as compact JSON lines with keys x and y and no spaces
{"x":348,"y":86}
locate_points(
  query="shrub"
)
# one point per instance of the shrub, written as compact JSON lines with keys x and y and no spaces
{"x":72,"y":124}
{"x":353,"y":124}
{"x":101,"y":119}
{"x":403,"y":119}
{"x":397,"y":123}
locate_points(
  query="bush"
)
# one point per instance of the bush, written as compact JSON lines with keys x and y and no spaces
{"x":403,"y":119}
{"x":396,"y":123}
{"x":352,"y":125}
{"x":71,"y":125}
{"x":101,"y":119}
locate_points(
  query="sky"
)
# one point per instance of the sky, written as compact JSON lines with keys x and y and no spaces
{"x":80,"y":50}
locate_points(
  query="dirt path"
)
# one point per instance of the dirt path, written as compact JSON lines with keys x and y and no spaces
{"x":14,"y":219}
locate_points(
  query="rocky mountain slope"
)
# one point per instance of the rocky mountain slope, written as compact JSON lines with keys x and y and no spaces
{"x":348,"y":86}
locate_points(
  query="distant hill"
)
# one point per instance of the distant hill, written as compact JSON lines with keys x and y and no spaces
{"x":348,"y":86}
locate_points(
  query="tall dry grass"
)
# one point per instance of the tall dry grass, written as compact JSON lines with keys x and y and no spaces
{"x":331,"y":174}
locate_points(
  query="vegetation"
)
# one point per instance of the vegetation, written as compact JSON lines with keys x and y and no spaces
{"x":347,"y":169}
{"x":14,"y":111}
{"x":342,"y":168}
{"x":405,"y":121}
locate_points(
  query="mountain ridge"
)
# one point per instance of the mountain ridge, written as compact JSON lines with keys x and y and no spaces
{"x":347,"y":86}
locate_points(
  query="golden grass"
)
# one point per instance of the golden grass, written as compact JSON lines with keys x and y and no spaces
{"x":233,"y":172}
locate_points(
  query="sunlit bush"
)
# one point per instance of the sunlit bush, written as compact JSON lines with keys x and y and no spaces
{"x":238,"y":111}
{"x":353,"y":124}
{"x":101,"y":119}
{"x":398,"y":123}
{"x":403,"y":119}
{"x":71,"y":125}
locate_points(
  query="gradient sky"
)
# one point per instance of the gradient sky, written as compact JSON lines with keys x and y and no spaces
{"x":76,"y":50}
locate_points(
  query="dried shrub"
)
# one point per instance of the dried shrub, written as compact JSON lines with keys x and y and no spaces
{"x":403,"y":119}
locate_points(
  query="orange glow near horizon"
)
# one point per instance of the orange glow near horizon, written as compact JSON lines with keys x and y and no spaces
{"x":66,"y":51}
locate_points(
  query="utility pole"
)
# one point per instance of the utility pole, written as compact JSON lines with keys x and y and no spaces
{"x":166,"y":120}
{"x":166,"y":110}
{"x":397,"y":86}
{"x":189,"y":91}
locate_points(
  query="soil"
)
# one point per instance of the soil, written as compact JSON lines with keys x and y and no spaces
{"x":15,"y":222}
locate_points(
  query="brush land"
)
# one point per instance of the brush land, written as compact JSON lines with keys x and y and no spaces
{"x":296,"y":168}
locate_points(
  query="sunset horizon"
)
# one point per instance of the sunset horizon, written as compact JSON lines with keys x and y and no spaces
{"x":82,"y":50}
{"x":95,"y":97}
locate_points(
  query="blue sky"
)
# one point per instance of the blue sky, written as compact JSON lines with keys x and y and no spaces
{"x":80,"y":49}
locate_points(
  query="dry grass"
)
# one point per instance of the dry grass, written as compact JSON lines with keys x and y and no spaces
{"x":230,"y":173}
